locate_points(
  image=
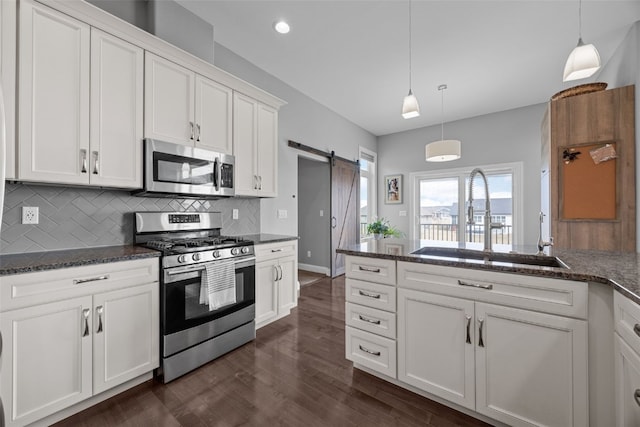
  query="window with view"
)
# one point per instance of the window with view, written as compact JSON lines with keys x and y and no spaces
{"x":367,"y":189}
{"x":440,"y":205}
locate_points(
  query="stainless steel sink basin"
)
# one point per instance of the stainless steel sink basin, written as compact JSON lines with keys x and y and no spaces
{"x":498,"y":257}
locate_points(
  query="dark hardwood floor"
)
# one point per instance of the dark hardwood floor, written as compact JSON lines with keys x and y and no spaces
{"x":294,"y":374}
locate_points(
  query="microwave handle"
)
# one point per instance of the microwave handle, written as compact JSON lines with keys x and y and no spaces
{"x":217,"y":173}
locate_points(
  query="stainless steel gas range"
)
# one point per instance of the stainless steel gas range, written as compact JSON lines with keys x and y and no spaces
{"x":207,"y":288}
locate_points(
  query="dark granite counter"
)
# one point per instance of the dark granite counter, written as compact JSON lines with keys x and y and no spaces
{"x":51,"y":260}
{"x":269,"y":238}
{"x":618,"y":269}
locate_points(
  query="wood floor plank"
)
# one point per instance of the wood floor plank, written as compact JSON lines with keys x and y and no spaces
{"x":294,"y":374}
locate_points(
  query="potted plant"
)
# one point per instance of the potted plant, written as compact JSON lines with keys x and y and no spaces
{"x":381,"y":228}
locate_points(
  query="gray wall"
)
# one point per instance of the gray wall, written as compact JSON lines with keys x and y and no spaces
{"x":505,"y":137}
{"x":302,"y":120}
{"x":623,"y":69}
{"x":314,"y":195}
{"x":75,"y":218}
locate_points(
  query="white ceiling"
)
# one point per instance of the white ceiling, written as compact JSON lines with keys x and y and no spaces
{"x":353,"y":55}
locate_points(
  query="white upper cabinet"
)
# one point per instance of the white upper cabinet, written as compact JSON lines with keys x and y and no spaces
{"x":116,"y":112}
{"x":53,"y":96}
{"x":214,"y":108}
{"x":255,"y":146}
{"x":81,"y":103}
{"x":186,"y":108}
{"x":8,"y":80}
{"x":169,"y":101}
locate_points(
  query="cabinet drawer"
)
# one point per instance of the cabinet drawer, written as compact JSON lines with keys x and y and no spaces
{"x":269,"y":251}
{"x":371,"y":294}
{"x":370,"y":350}
{"x":371,"y":269}
{"x":370,"y":319}
{"x":554,"y":296}
{"x":24,"y":290}
{"x":626,"y":315}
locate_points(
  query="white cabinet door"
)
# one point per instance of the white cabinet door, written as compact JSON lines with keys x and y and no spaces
{"x":531,"y":367}
{"x":244,"y":145}
{"x":214,"y":124}
{"x":266,"y":292}
{"x":169,"y":101}
{"x":126,"y":335}
{"x":8,"y":80}
{"x":627,"y":380}
{"x":436,"y":345}
{"x":267,"y":161}
{"x":53,"y":96}
{"x":287,"y":292}
{"x":46,"y":359}
{"x":116,"y":112}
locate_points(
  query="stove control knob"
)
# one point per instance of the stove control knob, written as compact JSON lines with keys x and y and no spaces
{"x":182,"y":259}
{"x":216,"y":254}
{"x":245,"y":250}
{"x":195,"y":257}
{"x":235,"y":251}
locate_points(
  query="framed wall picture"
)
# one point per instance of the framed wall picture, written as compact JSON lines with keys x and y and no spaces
{"x":393,"y":189}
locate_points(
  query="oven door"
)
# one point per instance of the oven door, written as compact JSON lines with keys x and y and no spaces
{"x":180,"y":298}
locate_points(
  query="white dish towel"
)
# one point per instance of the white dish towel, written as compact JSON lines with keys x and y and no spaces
{"x":218,"y":287}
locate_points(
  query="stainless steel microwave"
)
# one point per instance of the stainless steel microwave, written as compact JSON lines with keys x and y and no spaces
{"x":179,"y":170}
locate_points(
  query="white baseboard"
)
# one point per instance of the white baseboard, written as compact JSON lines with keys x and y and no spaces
{"x":314,"y":268}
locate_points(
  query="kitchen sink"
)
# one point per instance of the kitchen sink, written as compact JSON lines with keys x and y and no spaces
{"x":498,"y":257}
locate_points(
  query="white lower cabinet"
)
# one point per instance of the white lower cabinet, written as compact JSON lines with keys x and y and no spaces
{"x":276,"y":281}
{"x":517,"y":366}
{"x":60,"y":353}
{"x":627,"y":360}
{"x":46,"y":359}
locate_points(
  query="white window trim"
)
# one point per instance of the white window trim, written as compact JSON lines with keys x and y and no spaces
{"x":516,"y":168}
{"x":372,"y":184}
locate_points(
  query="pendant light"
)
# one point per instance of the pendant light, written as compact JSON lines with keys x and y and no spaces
{"x":410,"y":107}
{"x":444,"y":150}
{"x":584,"y":60}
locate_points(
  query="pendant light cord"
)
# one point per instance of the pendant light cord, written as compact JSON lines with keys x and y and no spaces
{"x":441,"y":88}
{"x":580,"y":19}
{"x":409,"y":45}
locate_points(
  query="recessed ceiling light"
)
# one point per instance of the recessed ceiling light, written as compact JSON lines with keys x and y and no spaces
{"x":281,"y":27}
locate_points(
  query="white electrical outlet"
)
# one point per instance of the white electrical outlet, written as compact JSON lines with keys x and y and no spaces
{"x":235,"y":214}
{"x":30,"y":215}
{"x":402,"y":213}
{"x":308,"y":254}
{"x":282,"y":213}
{"x":321,"y":212}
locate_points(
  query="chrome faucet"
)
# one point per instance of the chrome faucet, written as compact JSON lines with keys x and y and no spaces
{"x":541,"y":243}
{"x":488,"y":225}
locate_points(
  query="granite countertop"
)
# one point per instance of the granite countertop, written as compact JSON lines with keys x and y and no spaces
{"x":618,"y":269}
{"x":51,"y":260}
{"x":269,"y":238}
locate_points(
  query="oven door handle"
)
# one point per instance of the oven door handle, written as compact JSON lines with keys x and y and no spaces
{"x":190,"y":269}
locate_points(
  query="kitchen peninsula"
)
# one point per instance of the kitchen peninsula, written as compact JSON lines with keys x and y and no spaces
{"x":514,"y":339}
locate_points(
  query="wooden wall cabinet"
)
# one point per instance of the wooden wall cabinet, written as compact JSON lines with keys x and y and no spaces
{"x":590,"y":206}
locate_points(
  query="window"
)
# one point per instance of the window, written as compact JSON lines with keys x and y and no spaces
{"x":367,"y":189}
{"x":440,"y":205}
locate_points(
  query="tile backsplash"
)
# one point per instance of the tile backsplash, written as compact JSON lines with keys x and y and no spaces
{"x":74,"y":218}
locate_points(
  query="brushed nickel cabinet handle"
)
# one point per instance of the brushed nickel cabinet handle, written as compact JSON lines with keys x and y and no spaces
{"x":83,"y":160}
{"x":480,"y":340}
{"x":100,"y":311}
{"x":366,"y":350}
{"x":368,"y":295}
{"x":255,"y":182}
{"x":85,"y":319}
{"x":91,"y":279}
{"x":95,"y":163}
{"x":192,"y":130}
{"x":276,"y":250}
{"x":197,"y":132}
{"x":468,"y":329}
{"x":636,"y":396}
{"x":366,"y":319}
{"x":475,"y":285}
{"x":636,"y":329}
{"x":369,"y":270}
{"x":275,"y":270}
